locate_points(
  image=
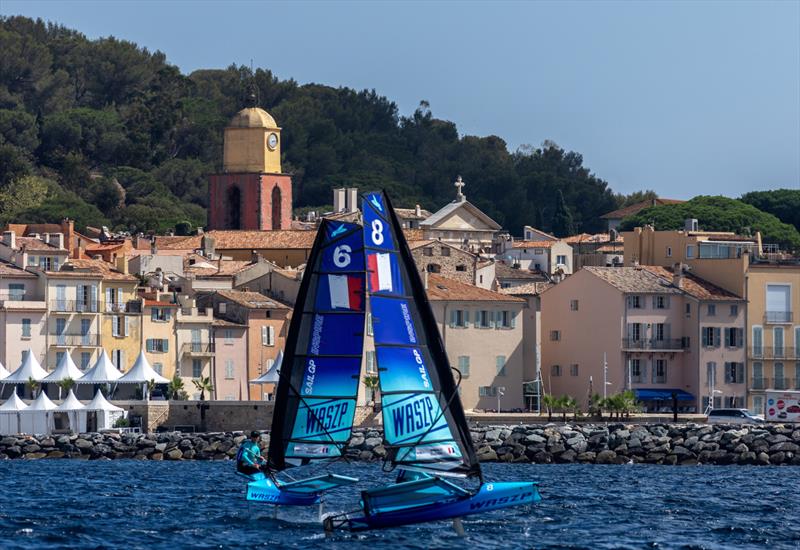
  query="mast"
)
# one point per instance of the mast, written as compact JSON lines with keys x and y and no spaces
{"x":424,"y":423}
{"x":316,"y":397}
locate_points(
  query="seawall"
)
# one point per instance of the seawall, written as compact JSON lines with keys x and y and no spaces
{"x":619,"y":443}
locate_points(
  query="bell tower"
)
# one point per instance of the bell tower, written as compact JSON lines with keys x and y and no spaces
{"x":251,"y":192}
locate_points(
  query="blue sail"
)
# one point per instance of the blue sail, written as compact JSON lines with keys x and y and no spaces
{"x":424,"y":424}
{"x":316,"y":397}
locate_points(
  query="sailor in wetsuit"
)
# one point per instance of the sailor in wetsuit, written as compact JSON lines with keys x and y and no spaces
{"x":249,"y":459}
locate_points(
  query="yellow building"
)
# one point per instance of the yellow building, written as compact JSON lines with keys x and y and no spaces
{"x":120,"y":312}
{"x":158,"y":335}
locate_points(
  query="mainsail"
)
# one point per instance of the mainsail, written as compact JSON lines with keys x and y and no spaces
{"x":424,"y":424}
{"x":316,"y":397}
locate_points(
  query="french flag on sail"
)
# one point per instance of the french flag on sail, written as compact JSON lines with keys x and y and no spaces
{"x":345,"y":292}
{"x":380,"y":272}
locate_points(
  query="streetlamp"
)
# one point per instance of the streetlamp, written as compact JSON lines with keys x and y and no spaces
{"x":500,"y":393}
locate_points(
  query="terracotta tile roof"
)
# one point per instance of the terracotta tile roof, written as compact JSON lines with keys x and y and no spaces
{"x":177,"y":243}
{"x":413,"y":245}
{"x":226,"y":268}
{"x":29,"y":228}
{"x":505,"y":271}
{"x":694,"y":286}
{"x":586,"y":238}
{"x":10,"y":270}
{"x":632,"y":209}
{"x":534,"y":244}
{"x":242,"y":239}
{"x":411,"y":214}
{"x":444,"y":289}
{"x":35,"y":245}
{"x":610,"y":249}
{"x":252,"y":300}
{"x":527,"y":289}
{"x":217,"y":322}
{"x":158,"y":303}
{"x":633,"y":280}
{"x":413,"y":234}
{"x":91,"y":269}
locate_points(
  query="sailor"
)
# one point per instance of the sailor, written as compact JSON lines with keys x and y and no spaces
{"x":249,"y":459}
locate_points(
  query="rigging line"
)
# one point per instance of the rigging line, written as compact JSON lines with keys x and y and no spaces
{"x":433,"y":423}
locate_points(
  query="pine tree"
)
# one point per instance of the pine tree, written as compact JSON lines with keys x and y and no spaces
{"x":562,"y":218}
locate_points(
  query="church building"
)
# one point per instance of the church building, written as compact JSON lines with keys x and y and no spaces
{"x":251,"y":192}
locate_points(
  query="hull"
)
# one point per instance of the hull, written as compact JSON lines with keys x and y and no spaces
{"x":490,"y":496}
{"x":264,"y":490}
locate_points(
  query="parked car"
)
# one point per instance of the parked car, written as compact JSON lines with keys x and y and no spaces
{"x":733,"y":416}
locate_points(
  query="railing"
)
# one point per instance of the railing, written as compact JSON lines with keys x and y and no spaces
{"x":13,"y":295}
{"x":773,"y":352}
{"x":75,"y":340}
{"x":783,"y":383}
{"x":777,"y":317}
{"x":652,"y":344}
{"x":193,"y":311}
{"x":197,"y":348}
{"x":774,"y":384}
{"x":759,"y":383}
{"x":74,"y":306}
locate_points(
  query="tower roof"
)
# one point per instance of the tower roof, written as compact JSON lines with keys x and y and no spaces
{"x":252,"y":117}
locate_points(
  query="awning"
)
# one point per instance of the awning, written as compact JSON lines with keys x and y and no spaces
{"x":661,"y":395}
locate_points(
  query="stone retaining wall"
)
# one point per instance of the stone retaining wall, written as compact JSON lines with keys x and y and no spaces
{"x":597,"y":444}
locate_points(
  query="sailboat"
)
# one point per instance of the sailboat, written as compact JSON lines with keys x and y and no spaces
{"x":425,"y":429}
{"x":315,"y":400}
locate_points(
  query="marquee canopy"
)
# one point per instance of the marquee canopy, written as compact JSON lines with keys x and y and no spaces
{"x":103,"y":372}
{"x":66,"y":368}
{"x":30,"y":368}
{"x":142,"y":372}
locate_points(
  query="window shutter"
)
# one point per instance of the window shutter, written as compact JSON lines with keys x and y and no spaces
{"x":122,"y":363}
{"x":739,"y":372}
{"x":655,"y":302}
{"x":652,"y":372}
{"x":271,"y":335}
{"x":717,"y":337}
{"x":705,"y":337}
{"x":127,"y":325}
{"x":630,"y":331}
{"x":93,"y":298}
{"x":667,"y":331}
{"x":727,"y":338}
{"x":453,"y":313}
{"x":666,"y":302}
{"x":167,"y":314}
{"x":466,"y":317}
{"x":166,"y":344}
{"x":494,"y":318}
{"x":727,"y":372}
{"x":109,"y":298}
{"x":148,"y":344}
{"x":154,"y":314}
{"x":513,"y":315}
{"x":740,"y":338}
{"x":264,"y":336}
{"x":478,"y":315}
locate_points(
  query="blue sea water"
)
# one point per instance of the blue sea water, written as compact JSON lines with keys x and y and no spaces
{"x":154,"y":505}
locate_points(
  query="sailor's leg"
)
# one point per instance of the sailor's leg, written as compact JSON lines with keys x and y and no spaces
{"x":321,"y":509}
{"x":458,"y":527}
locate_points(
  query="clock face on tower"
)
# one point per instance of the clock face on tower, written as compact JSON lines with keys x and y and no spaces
{"x":272,"y":141}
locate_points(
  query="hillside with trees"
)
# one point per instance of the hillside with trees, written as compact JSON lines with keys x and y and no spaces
{"x":784,"y":204}
{"x":717,"y":214}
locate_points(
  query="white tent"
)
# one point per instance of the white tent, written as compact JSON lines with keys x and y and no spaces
{"x":3,"y":372}
{"x":30,"y":368}
{"x":273,"y":373}
{"x":103,"y":372}
{"x":10,"y":412}
{"x":140,"y":372}
{"x":38,"y":417}
{"x":102,"y":414}
{"x":75,"y":412}
{"x":66,"y":368}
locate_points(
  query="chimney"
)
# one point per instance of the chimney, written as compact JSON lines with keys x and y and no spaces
{"x":677,"y":275}
{"x":425,"y":279}
{"x":68,"y":231}
{"x":690,"y":224}
{"x":351,"y":199}
{"x":153,"y":246}
{"x":338,"y":200}
{"x":122,"y":264}
{"x":46,"y":237}
{"x":209,"y":246}
{"x":10,"y":238}
{"x":417,"y":211}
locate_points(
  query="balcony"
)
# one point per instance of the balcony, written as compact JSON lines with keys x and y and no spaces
{"x":669,"y":344}
{"x":783,"y":384}
{"x":773,"y":352}
{"x":777,"y":317}
{"x":759,"y":383}
{"x":73,"y":306}
{"x":194,"y":315}
{"x":75,"y":340}
{"x":198,"y":349}
{"x":13,"y":299}
{"x":774,"y":384}
{"x":133,"y":306}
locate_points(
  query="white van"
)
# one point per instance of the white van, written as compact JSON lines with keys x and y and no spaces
{"x":733,"y":416}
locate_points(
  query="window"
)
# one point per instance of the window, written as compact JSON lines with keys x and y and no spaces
{"x":157,"y":345}
{"x":573,"y":305}
{"x":16,"y":292}
{"x":659,"y":332}
{"x":538,"y":251}
{"x":116,"y":326}
{"x":555,"y":370}
{"x":573,"y":369}
{"x":505,"y":319}
{"x":26,"y":328}
{"x":777,"y":341}
{"x":228,"y":336}
{"x":660,"y":302}
{"x":634,"y":302}
{"x":371,"y":369}
{"x":427,"y":251}
{"x":222,"y":307}
{"x":734,"y":337}
{"x":734,"y":310}
{"x":758,"y":341}
{"x":711,"y":337}
{"x":160,"y":314}
{"x":369,"y":325}
{"x":758,"y":376}
{"x":118,"y":358}
{"x":486,"y":391}
{"x":758,"y":405}
{"x":268,"y":336}
{"x":500,"y":364}
{"x":461,"y":267}
{"x":445,"y":251}
{"x":712,"y":310}
{"x":86,"y":358}
{"x":434,"y":268}
{"x":780,"y":382}
{"x":561,"y":259}
{"x":688,"y":310}
{"x":711,"y":374}
{"x":689,"y":251}
{"x":555,"y":335}
{"x":660,"y":371}
{"x":484,"y":319}
{"x":734,"y":373}
{"x":459,"y":318}
{"x":669,"y":252}
{"x":159,"y":368}
{"x":197,"y":368}
{"x":229,"y":369}
{"x":86,"y":325}
{"x":33,"y":261}
{"x":635,"y":331}
{"x":463,"y":365}
{"x":637,"y":374}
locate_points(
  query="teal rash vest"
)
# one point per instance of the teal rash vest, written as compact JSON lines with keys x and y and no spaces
{"x":249,"y":453}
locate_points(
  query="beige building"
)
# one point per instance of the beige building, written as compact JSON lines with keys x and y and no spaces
{"x":158,"y":339}
{"x":194,"y":347}
{"x":446,"y":260}
{"x":23,"y":315}
{"x":482,"y":333}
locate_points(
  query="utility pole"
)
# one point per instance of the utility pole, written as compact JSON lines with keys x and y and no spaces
{"x":605,"y":376}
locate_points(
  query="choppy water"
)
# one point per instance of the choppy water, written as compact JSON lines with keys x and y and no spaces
{"x":133,"y":504}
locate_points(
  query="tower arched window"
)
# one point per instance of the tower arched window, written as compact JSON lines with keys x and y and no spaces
{"x":276,"y":207}
{"x":234,"y":210}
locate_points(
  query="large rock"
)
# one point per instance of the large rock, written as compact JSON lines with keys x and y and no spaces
{"x":174,"y":454}
{"x":606,"y":457}
{"x":83,"y":444}
{"x":786,"y":447}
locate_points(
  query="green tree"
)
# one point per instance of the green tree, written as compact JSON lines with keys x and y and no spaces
{"x":175,"y":389}
{"x":20,"y":195}
{"x":784,"y":204}
{"x":562,"y":219}
{"x":371,"y":383}
{"x":203,"y":385}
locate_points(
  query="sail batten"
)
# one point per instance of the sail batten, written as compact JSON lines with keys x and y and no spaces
{"x":316,"y":397}
{"x":424,"y":424}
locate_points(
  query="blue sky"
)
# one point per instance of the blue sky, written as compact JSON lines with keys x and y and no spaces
{"x":682,"y":97}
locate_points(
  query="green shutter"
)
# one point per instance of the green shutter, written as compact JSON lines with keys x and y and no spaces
{"x":717,"y":337}
{"x":513,"y":315}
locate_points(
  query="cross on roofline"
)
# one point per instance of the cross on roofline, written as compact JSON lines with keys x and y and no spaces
{"x":459,"y":184}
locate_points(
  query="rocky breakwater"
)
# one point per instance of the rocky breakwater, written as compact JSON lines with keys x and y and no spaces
{"x":164,"y":446}
{"x":652,"y":444}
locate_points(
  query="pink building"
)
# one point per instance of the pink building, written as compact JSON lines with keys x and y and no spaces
{"x":230,"y":360}
{"x":22,"y":316}
{"x":660,"y":334}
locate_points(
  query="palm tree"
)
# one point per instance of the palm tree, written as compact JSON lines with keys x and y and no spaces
{"x":65,"y":385}
{"x":371,"y":383}
{"x":204,"y":385}
{"x":175,"y":388}
{"x":550,"y":403}
{"x":571,"y":405}
{"x":596,"y":405}
{"x":33,"y":385}
{"x":564,"y":405}
{"x":628,"y":401}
